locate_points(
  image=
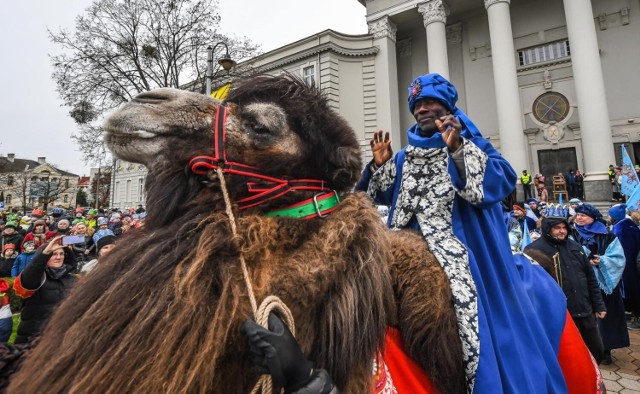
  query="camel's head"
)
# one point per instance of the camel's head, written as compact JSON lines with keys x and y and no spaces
{"x":277,"y":124}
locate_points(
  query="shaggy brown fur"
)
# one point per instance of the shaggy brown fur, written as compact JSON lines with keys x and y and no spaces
{"x":161,"y":313}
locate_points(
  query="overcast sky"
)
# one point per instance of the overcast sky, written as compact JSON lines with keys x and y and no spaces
{"x":32,"y":121}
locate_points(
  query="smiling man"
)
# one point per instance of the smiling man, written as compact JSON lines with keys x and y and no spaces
{"x":447,"y":184}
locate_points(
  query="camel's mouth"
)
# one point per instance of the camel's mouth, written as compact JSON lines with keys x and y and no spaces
{"x":131,"y":134}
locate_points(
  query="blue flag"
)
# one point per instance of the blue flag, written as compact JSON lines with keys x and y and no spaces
{"x":630,"y":180}
{"x":633,"y":202}
{"x":526,"y":238}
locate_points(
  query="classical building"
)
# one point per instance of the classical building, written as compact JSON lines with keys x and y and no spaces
{"x":127,"y":187}
{"x":548,"y":82}
{"x":28,"y":184}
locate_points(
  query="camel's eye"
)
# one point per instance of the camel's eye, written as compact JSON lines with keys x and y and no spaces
{"x":256,"y":127}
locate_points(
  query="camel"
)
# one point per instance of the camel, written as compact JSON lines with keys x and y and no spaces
{"x":162,"y":312}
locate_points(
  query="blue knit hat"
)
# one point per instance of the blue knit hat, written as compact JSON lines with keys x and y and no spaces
{"x":435,"y":86}
{"x":618,"y":212}
{"x":589,"y":210}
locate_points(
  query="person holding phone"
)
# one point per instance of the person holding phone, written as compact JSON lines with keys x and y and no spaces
{"x":606,"y":257}
{"x":42,"y":285}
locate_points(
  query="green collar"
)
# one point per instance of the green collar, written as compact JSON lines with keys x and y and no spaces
{"x":319,"y":205}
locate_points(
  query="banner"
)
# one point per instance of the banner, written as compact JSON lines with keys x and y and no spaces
{"x":630,"y":180}
{"x":633,"y":202}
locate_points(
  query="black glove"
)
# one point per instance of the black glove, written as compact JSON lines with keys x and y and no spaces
{"x":276,"y":352}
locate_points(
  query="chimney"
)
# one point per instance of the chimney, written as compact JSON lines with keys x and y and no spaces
{"x":11,"y":157}
{"x":42,"y":160}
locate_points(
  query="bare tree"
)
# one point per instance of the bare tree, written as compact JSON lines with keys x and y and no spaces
{"x":122,"y":48}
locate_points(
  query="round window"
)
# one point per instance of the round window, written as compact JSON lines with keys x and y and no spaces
{"x":551,"y":107}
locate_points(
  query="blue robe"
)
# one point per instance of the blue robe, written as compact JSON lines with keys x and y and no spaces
{"x":518,"y":343}
{"x":628,"y":234}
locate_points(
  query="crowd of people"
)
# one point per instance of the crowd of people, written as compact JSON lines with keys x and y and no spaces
{"x":594,"y":260}
{"x":46,"y":253}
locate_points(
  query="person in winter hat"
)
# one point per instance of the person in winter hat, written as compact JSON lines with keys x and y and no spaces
{"x":10,"y":234}
{"x":103,"y":229}
{"x":23,"y":258}
{"x":9,"y":255}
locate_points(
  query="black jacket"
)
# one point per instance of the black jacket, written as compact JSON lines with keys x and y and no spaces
{"x":576,"y":276}
{"x":37,"y":308}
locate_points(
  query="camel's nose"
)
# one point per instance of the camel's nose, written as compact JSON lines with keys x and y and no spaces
{"x":156,"y":96}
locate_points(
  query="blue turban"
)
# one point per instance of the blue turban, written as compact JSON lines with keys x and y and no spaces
{"x":618,"y":212}
{"x":589,"y":210}
{"x":435,"y":86}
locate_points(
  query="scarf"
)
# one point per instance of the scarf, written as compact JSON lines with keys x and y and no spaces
{"x":587,"y":231}
{"x":56,"y":273}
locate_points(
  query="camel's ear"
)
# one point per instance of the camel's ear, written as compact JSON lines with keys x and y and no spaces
{"x":346,"y":165}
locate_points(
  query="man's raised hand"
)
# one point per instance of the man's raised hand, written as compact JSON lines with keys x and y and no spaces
{"x":381,"y":148}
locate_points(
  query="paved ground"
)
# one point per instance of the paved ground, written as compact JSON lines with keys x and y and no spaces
{"x":623,"y":375}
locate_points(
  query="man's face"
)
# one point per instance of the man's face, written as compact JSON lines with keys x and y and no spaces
{"x":533,"y":205}
{"x":583,"y":219}
{"x":426,"y":112}
{"x":105,"y":249}
{"x":559,"y":231}
{"x":518,"y":213}
{"x":9,"y":230}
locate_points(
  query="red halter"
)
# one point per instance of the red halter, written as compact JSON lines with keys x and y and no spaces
{"x":270,"y":187}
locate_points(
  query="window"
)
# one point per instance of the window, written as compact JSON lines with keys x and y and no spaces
{"x":551,"y":107}
{"x":545,"y":53}
{"x":66,"y":183}
{"x":140,"y":189}
{"x":65,"y":198}
{"x":7,"y":199}
{"x":309,"y":75}
{"x":127,"y":192}
{"x":10,"y":180}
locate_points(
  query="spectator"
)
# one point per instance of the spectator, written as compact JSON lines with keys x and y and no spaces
{"x":83,"y":251}
{"x":575,"y":275}
{"x":541,"y":188}
{"x":579,"y":181}
{"x":628,"y":234}
{"x":573,"y":203}
{"x":104,"y":246}
{"x":140,"y":209}
{"x":10,"y":235}
{"x":9,"y":255}
{"x":63,"y":227}
{"x":570,"y":178}
{"x":525,"y":178}
{"x":42,"y":285}
{"x":607,"y":258}
{"x":23,"y":258}
{"x":90,"y":219}
{"x":115,"y":224}
{"x":520,"y":214}
{"x":615,"y":187}
{"x":534,"y":204}
{"x":39,"y":234}
{"x":6,"y":316}
{"x":103,"y":229}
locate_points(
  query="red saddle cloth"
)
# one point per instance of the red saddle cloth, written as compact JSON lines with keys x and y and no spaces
{"x":395,"y":372}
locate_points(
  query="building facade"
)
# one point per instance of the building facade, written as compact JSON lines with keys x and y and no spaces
{"x":28,"y":184}
{"x":127,"y":188}
{"x":549,"y":82}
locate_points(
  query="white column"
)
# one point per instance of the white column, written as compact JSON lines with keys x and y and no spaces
{"x":434,"y":16}
{"x":386,"y":72}
{"x":597,"y":144}
{"x":512,"y":141}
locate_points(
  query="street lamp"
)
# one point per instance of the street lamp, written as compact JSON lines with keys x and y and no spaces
{"x":225,"y":61}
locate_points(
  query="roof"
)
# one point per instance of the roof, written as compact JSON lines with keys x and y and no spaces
{"x":20,"y":165}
